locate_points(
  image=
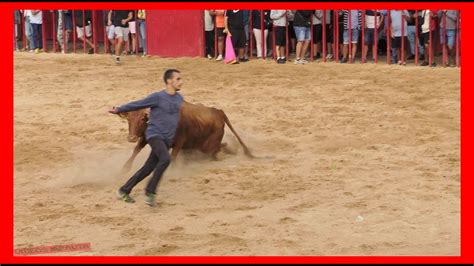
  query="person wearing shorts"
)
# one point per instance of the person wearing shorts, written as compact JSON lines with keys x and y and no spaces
{"x":399,"y":26}
{"x":132,"y":26}
{"x":369,"y":34}
{"x":426,"y":26}
{"x":351,"y":34}
{"x":80,"y":19}
{"x":234,"y":26}
{"x":451,"y":25}
{"x":120,"y":19}
{"x":219,"y":19}
{"x":279,"y":18}
{"x":302,"y":24}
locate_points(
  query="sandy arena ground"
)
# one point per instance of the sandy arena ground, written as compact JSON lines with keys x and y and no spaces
{"x":366,"y":159}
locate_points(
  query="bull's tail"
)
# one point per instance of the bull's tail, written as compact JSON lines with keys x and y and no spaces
{"x":246,"y":149}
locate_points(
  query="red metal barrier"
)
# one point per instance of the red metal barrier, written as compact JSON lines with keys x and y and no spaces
{"x":106,"y":35}
{"x":443,"y":30}
{"x":273,"y":42}
{"x":84,"y":32}
{"x":417,"y":41}
{"x":54,"y":32}
{"x":286,"y":32}
{"x":262,"y":31}
{"x":350,"y":34}
{"x":336,"y":35}
{"x":94,"y":29}
{"x":402,"y":52}
{"x":363,"y":39}
{"x":431,"y":41}
{"x":74,"y":34}
{"x":23,"y":29}
{"x":324,"y":36}
{"x":251,"y":33}
{"x":388,"y":37}
{"x":137,"y":30}
{"x":375,"y":50}
{"x":215,"y":37}
{"x":311,"y":40}
{"x":43,"y":29}
{"x":458,"y":31}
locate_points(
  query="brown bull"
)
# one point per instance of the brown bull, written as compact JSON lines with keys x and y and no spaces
{"x":199,"y":128}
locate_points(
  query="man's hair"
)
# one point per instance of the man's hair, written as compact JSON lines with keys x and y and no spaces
{"x":169,"y":74}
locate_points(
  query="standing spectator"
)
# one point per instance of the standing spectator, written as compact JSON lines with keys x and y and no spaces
{"x":84,"y":32}
{"x":246,"y":29}
{"x":257,"y":30}
{"x":132,"y":25}
{"x":451,"y":18}
{"x":64,"y":28}
{"x":110,"y":31}
{"x":279,"y":21}
{"x":329,"y":34}
{"x":120,"y":19}
{"x":412,"y":36}
{"x":397,"y":18}
{"x":36,"y":20}
{"x":302,"y":24}
{"x":291,"y":31}
{"x":427,"y":25}
{"x":370,"y":28}
{"x":141,"y":14}
{"x":209,"y":33}
{"x":220,"y":27}
{"x":28,"y":30}
{"x":317,"y":32}
{"x":234,"y":26}
{"x":356,"y":23}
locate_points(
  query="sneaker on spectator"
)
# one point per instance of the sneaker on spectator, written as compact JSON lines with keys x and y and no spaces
{"x":304,"y":61}
{"x":219,"y":58}
{"x":209,"y":56}
{"x":424,"y":64}
{"x":343,"y":60}
{"x":117,"y":60}
{"x":329,"y":56}
{"x":298,"y":62}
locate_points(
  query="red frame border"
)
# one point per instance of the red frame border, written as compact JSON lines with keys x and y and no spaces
{"x":6,"y":183}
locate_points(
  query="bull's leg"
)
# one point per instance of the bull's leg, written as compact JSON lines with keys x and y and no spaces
{"x":214,"y":144}
{"x":225,"y":148}
{"x":176,"y":148}
{"x":140,"y":144}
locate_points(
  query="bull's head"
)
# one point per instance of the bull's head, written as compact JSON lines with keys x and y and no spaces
{"x":137,"y":123}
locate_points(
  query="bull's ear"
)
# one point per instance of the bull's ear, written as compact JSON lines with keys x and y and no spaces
{"x":123,"y":115}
